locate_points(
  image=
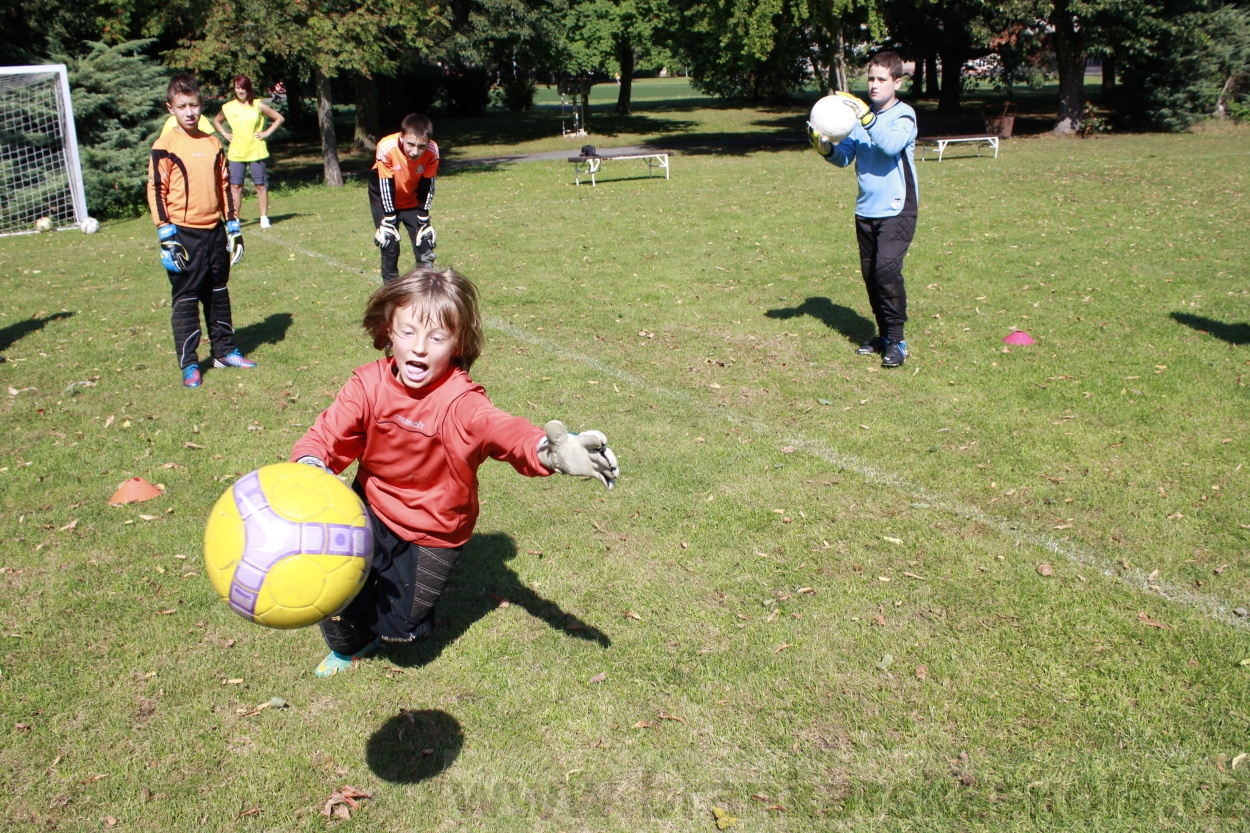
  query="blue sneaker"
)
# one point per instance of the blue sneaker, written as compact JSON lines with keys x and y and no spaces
{"x":191,"y":377}
{"x":234,"y":359}
{"x":336,"y":662}
{"x":895,"y":353}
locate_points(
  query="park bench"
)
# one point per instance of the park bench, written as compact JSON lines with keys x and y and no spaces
{"x":940,"y":142}
{"x":588,"y":165}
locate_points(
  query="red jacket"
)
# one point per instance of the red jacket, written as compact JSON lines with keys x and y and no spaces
{"x":419,"y":449}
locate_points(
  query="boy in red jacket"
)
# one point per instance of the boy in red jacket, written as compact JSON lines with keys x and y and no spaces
{"x":420,"y":428}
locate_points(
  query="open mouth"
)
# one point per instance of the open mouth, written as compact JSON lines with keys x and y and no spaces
{"x":415,"y":371}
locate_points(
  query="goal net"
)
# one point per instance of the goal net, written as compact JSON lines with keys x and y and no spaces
{"x":40,"y":175}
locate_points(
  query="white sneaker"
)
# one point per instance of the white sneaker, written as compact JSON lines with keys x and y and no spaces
{"x":264,"y":222}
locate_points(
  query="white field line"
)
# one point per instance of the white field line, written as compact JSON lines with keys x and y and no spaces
{"x":1082,"y":556}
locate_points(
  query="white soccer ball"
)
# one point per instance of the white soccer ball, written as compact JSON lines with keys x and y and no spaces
{"x":90,"y":225}
{"x":44,"y":224}
{"x":832,"y":118}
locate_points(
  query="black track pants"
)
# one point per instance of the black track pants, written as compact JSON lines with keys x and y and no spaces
{"x":883,"y":243}
{"x":390,"y":252}
{"x":203,"y":284}
{"x":398,"y":596}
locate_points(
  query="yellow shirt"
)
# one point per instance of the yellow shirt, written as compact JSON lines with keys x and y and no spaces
{"x":205,"y":125}
{"x":245,"y":121}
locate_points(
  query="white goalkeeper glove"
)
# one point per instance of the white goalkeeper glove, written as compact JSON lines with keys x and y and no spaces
{"x":387,"y":231}
{"x":234,"y":241}
{"x":310,"y":460}
{"x":581,"y":455}
{"x":425,"y":232}
{"x":173,"y":254}
{"x":862,"y":111}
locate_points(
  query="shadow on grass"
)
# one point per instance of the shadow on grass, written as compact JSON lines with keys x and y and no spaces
{"x":17,"y":331}
{"x":845,"y":320}
{"x":270,"y":331}
{"x":414,"y":746}
{"x":1232,"y":333}
{"x":481,"y":582}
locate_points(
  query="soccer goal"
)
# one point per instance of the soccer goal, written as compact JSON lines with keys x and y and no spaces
{"x":40,"y":175}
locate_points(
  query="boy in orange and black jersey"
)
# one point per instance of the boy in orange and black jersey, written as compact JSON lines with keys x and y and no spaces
{"x":189,"y":194}
{"x":401,"y":190}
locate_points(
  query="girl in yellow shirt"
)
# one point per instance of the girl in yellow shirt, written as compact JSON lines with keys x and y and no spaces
{"x":247,"y":135}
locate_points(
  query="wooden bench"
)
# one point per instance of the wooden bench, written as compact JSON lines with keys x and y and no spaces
{"x":589,"y":165}
{"x":940,"y":142}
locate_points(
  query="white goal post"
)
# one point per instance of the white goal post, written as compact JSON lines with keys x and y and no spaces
{"x":40,"y":175}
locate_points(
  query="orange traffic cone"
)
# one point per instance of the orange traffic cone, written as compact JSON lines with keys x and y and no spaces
{"x":134,"y":490}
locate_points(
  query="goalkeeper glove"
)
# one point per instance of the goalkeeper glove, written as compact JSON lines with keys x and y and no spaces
{"x":234,"y":241}
{"x":173,"y":254}
{"x":820,"y":143}
{"x":310,"y":460}
{"x":581,"y":455}
{"x":862,"y":111}
{"x":387,"y":231}
{"x":426,"y":238}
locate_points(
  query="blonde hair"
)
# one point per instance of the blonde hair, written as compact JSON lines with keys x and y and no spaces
{"x":446,"y":298}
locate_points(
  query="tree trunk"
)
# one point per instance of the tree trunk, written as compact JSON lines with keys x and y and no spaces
{"x":1108,"y":74}
{"x":325,"y":122}
{"x":366,"y":113}
{"x":917,"y":79}
{"x":837,"y":61}
{"x":1070,"y":54}
{"x":1221,"y":105}
{"x":952,"y":71}
{"x":625,"y":57}
{"x":931,"y":89}
{"x":296,"y":111}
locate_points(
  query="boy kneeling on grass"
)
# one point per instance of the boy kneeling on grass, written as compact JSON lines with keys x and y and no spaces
{"x":420,"y":428}
{"x":189,"y":194}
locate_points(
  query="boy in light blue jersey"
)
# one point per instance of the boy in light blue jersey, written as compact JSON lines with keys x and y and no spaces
{"x":882,"y":146}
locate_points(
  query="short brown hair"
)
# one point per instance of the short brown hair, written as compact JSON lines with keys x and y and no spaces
{"x":415,"y":124}
{"x":889,"y":61}
{"x":181,"y":84}
{"x":447,"y":298}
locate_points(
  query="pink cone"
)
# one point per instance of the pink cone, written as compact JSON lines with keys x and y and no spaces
{"x":1019,"y":337}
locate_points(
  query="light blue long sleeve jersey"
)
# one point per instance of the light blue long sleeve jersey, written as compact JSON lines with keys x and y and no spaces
{"x":885,"y":164}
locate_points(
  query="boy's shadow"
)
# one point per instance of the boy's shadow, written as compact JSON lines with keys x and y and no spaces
{"x":414,"y":746}
{"x":1232,"y":333}
{"x":481,"y":581}
{"x":18,"y":330}
{"x":845,"y":320}
{"x":270,"y":331}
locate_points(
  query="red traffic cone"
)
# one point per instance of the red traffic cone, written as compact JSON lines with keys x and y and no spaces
{"x":134,"y":490}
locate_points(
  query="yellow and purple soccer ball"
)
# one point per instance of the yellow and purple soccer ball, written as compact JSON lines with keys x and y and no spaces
{"x":288,"y":545}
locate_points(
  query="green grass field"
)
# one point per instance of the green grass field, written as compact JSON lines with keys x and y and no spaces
{"x":714,"y":632}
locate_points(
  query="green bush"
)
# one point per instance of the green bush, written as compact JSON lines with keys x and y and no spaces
{"x":119,"y":107}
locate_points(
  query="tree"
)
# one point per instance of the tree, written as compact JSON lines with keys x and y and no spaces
{"x":321,"y":38}
{"x":119,"y":106}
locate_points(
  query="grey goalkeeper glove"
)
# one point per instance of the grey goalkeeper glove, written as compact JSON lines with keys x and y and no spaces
{"x":310,"y":460}
{"x":581,"y":455}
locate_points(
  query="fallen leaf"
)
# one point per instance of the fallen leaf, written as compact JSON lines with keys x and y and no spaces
{"x":788,"y":449}
{"x":600,"y":677}
{"x":776,"y":807}
{"x":69,"y":527}
{"x":759,"y":797}
{"x":629,"y":614}
{"x":1045,"y":570}
{"x":255,"y":811}
{"x":886,"y":661}
{"x":913,"y":575}
{"x":891,"y":540}
{"x":922,"y":673}
{"x":168,"y":611}
{"x":782,"y":647}
{"x":149,"y":517}
{"x":92,"y":779}
{"x":1062,"y":526}
{"x":190,"y":444}
{"x":1146,"y":620}
{"x":1239,"y":759}
{"x":341,"y":799}
{"x":641,"y":724}
{"x":878,"y":620}
{"x":1219,"y":571}
{"x":672,"y":717}
{"x":109,"y":821}
{"x":723,"y":820}
{"x":234,"y":681}
{"x":61,"y":800}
